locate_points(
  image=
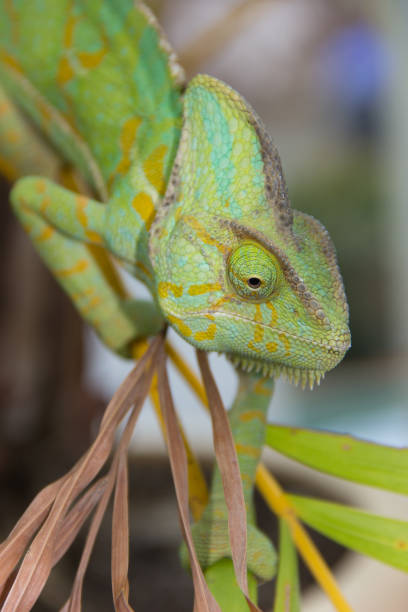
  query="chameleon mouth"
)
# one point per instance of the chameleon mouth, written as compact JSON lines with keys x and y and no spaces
{"x":296,"y":376}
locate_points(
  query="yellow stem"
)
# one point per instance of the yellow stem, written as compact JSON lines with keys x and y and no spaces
{"x":279,"y":503}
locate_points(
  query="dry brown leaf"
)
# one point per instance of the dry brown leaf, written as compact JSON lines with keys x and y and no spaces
{"x":73,"y":604}
{"x":204,"y":600}
{"x":227,"y":460}
{"x":13,"y":547}
{"x":77,"y":516}
{"x":37,"y":565}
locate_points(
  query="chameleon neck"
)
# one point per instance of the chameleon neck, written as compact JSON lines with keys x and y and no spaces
{"x":248,"y":422}
{"x":247,"y":418}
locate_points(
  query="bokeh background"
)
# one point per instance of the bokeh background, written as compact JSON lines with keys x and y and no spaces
{"x":329,"y":79}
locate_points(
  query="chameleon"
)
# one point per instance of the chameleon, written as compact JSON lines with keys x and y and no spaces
{"x":182,"y":186}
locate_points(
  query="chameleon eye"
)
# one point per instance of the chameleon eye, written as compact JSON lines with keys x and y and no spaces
{"x":253,"y":272}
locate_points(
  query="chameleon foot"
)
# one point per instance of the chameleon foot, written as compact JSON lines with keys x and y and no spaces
{"x":211,"y":540}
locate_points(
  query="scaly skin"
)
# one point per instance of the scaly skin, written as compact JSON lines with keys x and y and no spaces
{"x":194,"y":205}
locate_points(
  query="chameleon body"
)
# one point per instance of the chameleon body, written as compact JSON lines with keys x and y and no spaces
{"x":185,"y":189}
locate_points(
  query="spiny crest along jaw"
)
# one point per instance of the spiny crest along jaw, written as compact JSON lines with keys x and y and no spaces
{"x":296,"y":376}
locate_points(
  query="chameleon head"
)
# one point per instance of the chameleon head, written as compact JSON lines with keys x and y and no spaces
{"x":238,"y":271}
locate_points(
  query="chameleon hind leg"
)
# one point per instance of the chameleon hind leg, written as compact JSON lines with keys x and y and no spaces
{"x":67,"y":230}
{"x":211,"y":537}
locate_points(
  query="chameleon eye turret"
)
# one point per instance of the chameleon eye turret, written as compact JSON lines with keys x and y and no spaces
{"x":253,"y":272}
{"x":237,"y":270}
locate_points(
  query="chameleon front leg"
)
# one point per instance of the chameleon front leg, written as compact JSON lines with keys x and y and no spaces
{"x":211,"y":538}
{"x":67,"y":230}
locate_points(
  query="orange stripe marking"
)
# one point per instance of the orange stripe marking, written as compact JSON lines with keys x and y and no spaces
{"x":204,"y":288}
{"x":45,"y":234}
{"x":208,"y":334}
{"x":91,"y":60}
{"x":143,"y":205}
{"x":274,"y":316}
{"x":181,"y":326}
{"x":250,"y":415}
{"x":285,"y":342}
{"x":154,"y":168}
{"x":79,"y":267}
{"x":250,"y":451}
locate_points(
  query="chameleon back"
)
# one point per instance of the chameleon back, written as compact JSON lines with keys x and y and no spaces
{"x":75,"y":69}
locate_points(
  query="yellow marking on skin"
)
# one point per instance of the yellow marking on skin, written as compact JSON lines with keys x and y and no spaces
{"x":45,"y":234}
{"x":285,"y":341}
{"x":10,"y":61}
{"x":79,"y":295}
{"x":94,"y":237}
{"x":81,"y":202}
{"x":258,"y":314}
{"x":164,"y":287}
{"x":92,"y":59}
{"x":46,"y":201}
{"x":126,"y":141}
{"x":40,"y":186}
{"x":246,"y":449}
{"x":252,"y":347}
{"x":210,"y":317}
{"x":274,"y":316}
{"x":223,"y":300}
{"x":69,"y":31}
{"x":65,"y":71}
{"x":79,"y":267}
{"x":181,"y":326}
{"x":258,"y":333}
{"x":203,"y":235}
{"x":96,"y":301}
{"x":153,"y":168}
{"x":208,"y":334}
{"x":8,"y":170}
{"x":250,"y":415}
{"x":260,"y":388}
{"x":271,"y":347}
{"x":203,"y":288}
{"x":143,"y":205}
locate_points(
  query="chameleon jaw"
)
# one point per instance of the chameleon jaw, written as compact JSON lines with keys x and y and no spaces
{"x":296,"y":376}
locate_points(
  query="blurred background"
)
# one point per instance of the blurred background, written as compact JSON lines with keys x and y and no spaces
{"x":328,"y":78}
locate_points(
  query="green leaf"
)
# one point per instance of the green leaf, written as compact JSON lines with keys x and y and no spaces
{"x":380,"y":466}
{"x":379,"y":537}
{"x":287,"y":587}
{"x":220,"y":577}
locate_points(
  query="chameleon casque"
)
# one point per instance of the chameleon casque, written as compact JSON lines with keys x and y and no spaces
{"x":185,"y":190}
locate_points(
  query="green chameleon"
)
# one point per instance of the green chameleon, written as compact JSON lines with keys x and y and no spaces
{"x":185,"y":190}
